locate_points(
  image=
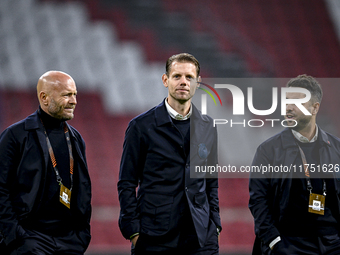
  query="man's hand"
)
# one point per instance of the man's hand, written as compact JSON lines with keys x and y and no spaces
{"x":134,"y":240}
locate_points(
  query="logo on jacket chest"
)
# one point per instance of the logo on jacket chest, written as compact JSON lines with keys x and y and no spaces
{"x":202,"y":151}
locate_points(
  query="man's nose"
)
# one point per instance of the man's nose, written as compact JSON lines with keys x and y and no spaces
{"x":73,"y":99}
{"x":289,"y":107}
{"x":184,"y":81}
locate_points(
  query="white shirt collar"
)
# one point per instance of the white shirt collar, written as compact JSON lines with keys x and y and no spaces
{"x":304,"y":139}
{"x":175,"y":115}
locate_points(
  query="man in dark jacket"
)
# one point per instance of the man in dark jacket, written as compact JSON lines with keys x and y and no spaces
{"x":172,"y":213}
{"x":295,"y":202}
{"x":45,"y":189}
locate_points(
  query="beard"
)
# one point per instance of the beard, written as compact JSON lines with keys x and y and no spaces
{"x":302,"y":123}
{"x":56,"y":111}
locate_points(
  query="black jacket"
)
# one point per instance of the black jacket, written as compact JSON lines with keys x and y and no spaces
{"x":154,"y":158}
{"x":24,"y":159}
{"x":269,"y":193}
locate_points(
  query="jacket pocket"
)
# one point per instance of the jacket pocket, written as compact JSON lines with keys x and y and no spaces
{"x":200,"y":198}
{"x":84,"y":237}
{"x":155,"y":214}
{"x":201,"y":208}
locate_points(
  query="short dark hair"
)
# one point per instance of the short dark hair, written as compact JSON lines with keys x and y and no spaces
{"x":309,"y":83}
{"x":182,"y":58}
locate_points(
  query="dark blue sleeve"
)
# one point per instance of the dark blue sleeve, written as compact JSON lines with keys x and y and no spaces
{"x":9,"y":160}
{"x":212,"y":185}
{"x":132,"y":163}
{"x":261,"y":202}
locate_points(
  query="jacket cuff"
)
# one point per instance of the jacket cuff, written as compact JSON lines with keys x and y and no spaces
{"x":219,"y":229}
{"x":275,"y":241}
{"x":217,"y":221}
{"x":270,"y":235}
{"x":131,"y":229}
{"x":135,"y":234}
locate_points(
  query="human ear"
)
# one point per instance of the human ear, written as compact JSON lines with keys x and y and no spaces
{"x":316,"y":107}
{"x":43,"y":98}
{"x":165,"y":80}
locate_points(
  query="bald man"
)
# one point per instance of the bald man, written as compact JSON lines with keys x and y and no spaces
{"x":45,"y":188}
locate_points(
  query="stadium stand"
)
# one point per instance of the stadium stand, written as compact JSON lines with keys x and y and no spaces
{"x":113,"y":50}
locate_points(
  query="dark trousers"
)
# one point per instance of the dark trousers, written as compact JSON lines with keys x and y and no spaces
{"x":36,"y":243}
{"x":188,"y":245}
{"x":318,"y":245}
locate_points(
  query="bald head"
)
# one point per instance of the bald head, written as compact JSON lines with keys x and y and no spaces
{"x":49,"y":80}
{"x":57,"y":92}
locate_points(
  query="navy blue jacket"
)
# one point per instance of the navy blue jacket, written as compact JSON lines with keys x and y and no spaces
{"x":24,"y":161}
{"x":154,"y":158}
{"x":269,"y":194}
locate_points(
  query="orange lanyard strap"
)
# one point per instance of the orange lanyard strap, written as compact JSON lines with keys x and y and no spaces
{"x":307,"y":174}
{"x":53,"y":159}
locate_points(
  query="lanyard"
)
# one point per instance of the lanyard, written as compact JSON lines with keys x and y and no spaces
{"x":307,"y":174}
{"x":54,"y":162}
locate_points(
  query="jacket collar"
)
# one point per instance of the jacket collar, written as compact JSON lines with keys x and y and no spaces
{"x":323,"y":137}
{"x":174,"y":114}
{"x":288,"y":139}
{"x":162,"y":116}
{"x":33,"y":122}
